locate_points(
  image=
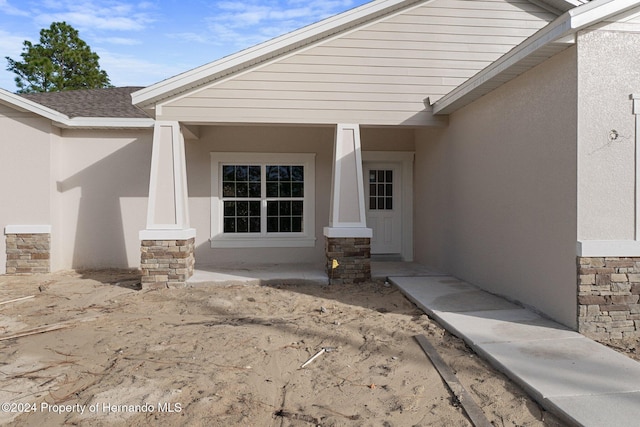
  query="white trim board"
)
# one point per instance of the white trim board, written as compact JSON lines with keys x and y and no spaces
{"x":167,"y":234}
{"x":347,"y":232}
{"x":608,"y":248}
{"x":28,"y":229}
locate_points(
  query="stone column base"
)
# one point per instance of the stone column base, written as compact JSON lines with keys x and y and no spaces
{"x":166,"y":263}
{"x":608,"y":297}
{"x":348,"y":259}
{"x":28,"y":249}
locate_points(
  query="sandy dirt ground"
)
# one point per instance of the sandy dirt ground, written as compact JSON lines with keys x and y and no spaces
{"x":231,"y":356}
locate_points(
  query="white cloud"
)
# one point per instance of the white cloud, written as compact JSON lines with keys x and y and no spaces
{"x":5,"y":7}
{"x":11,"y":46}
{"x":123,"y":41}
{"x":127,"y":70}
{"x":245,"y":23}
{"x":95,"y":15}
{"x":190,"y":37}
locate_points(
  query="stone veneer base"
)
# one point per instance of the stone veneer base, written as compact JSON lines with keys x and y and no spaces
{"x":28,"y":253}
{"x":353,"y":255}
{"x":166,"y":263}
{"x":608,"y":296}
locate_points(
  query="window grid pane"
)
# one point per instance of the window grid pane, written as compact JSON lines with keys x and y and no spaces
{"x":381,"y":189}
{"x":241,"y":216}
{"x":284,"y":216}
{"x":242,"y":198}
{"x":285,"y":183}
{"x":241,"y":182}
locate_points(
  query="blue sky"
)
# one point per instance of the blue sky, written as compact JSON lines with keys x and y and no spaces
{"x":143,"y":42}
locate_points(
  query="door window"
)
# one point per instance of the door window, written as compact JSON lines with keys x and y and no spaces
{"x":380,"y":189}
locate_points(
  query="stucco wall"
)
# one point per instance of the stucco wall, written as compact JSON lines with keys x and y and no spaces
{"x":102,"y":187}
{"x":270,"y":139}
{"x":25,"y":149}
{"x":496,"y":191}
{"x":608,"y":72}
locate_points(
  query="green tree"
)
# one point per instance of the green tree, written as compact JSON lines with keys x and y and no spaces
{"x":61,"y":61}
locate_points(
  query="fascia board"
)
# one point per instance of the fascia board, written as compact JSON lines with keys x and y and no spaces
{"x":558,"y":31}
{"x":560,"y":5}
{"x":148,"y":96}
{"x":108,"y":122}
{"x":33,"y":107}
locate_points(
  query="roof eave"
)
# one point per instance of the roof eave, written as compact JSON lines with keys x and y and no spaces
{"x":63,"y":121}
{"x":106,"y":123}
{"x":551,"y":39}
{"x":24,"y":104}
{"x":146,"y":98}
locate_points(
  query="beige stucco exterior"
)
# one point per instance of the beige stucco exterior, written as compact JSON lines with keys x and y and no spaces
{"x":102,"y":187}
{"x":608,"y":73}
{"x":496,"y":190}
{"x":89,"y":186}
{"x":26,"y":153}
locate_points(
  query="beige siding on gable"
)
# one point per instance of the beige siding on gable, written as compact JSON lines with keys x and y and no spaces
{"x":378,"y":74}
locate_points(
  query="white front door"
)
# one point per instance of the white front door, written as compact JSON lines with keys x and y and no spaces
{"x":382,"y":182}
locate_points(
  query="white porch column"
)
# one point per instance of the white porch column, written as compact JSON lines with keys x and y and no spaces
{"x":347,"y":238}
{"x":168,"y":240}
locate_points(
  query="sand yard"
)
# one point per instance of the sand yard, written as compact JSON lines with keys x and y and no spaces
{"x":109,"y":353}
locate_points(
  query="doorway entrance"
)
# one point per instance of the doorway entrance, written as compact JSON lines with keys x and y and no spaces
{"x":388,"y":179}
{"x":384,"y":206}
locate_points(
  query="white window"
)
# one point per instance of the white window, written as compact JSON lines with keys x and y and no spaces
{"x":262,"y":200}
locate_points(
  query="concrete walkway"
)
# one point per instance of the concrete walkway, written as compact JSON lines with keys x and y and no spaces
{"x":580,"y":381}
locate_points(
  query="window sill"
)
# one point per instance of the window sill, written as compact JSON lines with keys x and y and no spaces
{"x":262,"y":242}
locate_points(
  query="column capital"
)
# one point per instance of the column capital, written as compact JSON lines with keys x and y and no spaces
{"x":346,"y":232}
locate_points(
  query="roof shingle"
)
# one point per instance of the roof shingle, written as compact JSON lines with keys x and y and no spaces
{"x":107,"y":102}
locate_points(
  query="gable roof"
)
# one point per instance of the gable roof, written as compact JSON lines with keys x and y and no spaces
{"x":285,"y":44}
{"x":101,"y":108}
{"x":107,"y":102}
{"x":112,"y":107}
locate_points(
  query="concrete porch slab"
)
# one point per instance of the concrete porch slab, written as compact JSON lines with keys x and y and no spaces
{"x":251,"y":273}
{"x":256,"y":273}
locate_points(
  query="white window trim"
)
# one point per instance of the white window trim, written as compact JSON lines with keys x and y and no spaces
{"x":274,"y":240}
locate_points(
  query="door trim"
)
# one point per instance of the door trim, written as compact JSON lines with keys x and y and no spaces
{"x":405,"y":158}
